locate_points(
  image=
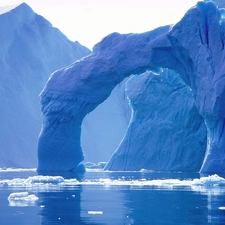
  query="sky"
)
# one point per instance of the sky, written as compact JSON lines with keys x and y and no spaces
{"x":88,"y":21}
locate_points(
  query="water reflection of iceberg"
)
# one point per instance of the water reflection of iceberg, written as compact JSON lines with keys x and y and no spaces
{"x":60,"y":207}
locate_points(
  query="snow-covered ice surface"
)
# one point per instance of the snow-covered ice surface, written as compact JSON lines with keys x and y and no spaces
{"x":31,"y":49}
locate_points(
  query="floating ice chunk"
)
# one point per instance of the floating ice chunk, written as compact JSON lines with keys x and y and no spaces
{"x":46,"y":179}
{"x":22,"y":196}
{"x":210,"y":180}
{"x":95,"y":212}
{"x":222,"y":208}
{"x":22,"y":199}
{"x":92,"y":165}
{"x":34,"y":181}
{"x":214,"y":184}
{"x":145,"y":170}
{"x":4,"y":169}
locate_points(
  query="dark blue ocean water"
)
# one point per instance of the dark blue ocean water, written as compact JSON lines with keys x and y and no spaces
{"x":113,"y":198}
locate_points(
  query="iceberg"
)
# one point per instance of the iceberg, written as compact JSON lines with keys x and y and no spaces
{"x":194,"y":48}
{"x":166,"y":132}
{"x":31,"y":49}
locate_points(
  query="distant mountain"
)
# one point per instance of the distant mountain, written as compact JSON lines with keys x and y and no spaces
{"x":31,"y":49}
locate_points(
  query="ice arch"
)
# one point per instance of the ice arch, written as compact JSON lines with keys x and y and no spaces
{"x":194,"y":48}
{"x":76,"y":90}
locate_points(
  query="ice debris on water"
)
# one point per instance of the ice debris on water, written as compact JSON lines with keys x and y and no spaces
{"x":57,"y":182}
{"x":22,"y":199}
{"x":24,"y":196}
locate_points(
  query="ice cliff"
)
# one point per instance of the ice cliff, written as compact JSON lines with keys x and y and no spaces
{"x":31,"y":49}
{"x":166,"y":132}
{"x":194,"y":48}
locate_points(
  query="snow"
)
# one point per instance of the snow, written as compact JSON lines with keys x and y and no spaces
{"x":31,"y":49}
{"x":166,"y":132}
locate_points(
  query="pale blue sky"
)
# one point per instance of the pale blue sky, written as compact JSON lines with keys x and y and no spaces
{"x":90,"y":20}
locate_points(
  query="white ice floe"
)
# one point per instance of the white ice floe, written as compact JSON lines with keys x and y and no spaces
{"x":58,"y":182}
{"x":35,"y":181}
{"x":210,"y":180}
{"x":22,"y":196}
{"x":95,"y":212}
{"x":4,"y":169}
{"x":22,"y":199}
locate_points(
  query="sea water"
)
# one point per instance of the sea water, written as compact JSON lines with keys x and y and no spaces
{"x":101,"y":197}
